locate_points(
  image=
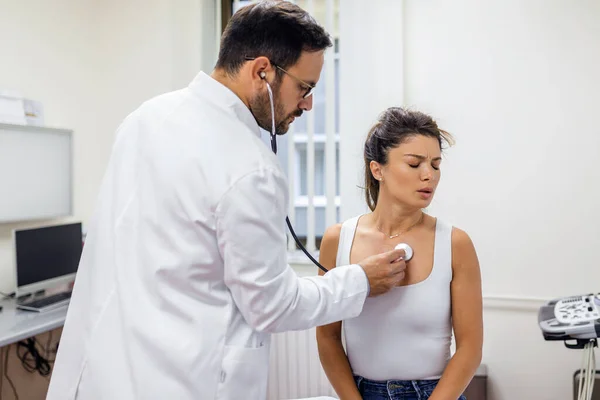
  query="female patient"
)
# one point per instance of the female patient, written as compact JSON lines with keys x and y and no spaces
{"x":399,"y":347}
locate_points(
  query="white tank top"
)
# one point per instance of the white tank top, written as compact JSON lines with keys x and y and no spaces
{"x":404,"y":334}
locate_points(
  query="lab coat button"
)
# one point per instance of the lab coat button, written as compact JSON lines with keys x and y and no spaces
{"x":223,"y":375}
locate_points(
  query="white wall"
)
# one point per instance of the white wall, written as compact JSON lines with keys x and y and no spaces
{"x":516,"y":82}
{"x":91,"y":63}
{"x":371,"y":79}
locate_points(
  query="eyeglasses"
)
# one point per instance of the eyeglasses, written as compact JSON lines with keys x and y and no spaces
{"x":306,"y":87}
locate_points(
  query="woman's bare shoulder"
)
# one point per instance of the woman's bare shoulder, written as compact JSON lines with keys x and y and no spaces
{"x":460,"y":239}
{"x":463,"y":250}
{"x":331,"y":237}
{"x":329,"y":246}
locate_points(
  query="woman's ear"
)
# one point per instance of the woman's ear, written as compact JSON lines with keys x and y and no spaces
{"x":376,"y":170}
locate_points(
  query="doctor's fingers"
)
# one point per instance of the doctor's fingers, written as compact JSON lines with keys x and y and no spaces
{"x":393,"y":255}
{"x":393,"y":270}
{"x":398,"y":269}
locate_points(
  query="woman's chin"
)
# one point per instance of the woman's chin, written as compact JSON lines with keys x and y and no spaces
{"x":423,"y":203}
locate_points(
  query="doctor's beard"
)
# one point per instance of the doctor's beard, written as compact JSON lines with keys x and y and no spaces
{"x":260,"y":107}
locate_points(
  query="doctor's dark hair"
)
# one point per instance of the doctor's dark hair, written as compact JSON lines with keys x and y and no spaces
{"x":394,"y":126}
{"x":278,"y":30}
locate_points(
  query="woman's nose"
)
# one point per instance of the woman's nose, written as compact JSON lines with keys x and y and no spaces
{"x":426,"y":174}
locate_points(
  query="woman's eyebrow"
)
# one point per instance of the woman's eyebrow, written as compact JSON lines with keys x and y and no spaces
{"x":421,"y":157}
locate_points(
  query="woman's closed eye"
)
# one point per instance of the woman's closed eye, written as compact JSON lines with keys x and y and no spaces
{"x":435,"y":166}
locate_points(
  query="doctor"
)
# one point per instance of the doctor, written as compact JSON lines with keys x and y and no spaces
{"x":183,"y":276}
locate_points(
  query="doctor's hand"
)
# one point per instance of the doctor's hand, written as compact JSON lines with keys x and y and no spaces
{"x":384,"y":271}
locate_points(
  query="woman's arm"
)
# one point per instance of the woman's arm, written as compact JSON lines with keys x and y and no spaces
{"x":329,"y":337}
{"x":467,"y":319}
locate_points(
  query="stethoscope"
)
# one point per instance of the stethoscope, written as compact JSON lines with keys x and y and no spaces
{"x":408,"y":251}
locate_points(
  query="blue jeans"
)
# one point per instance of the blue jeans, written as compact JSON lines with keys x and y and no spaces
{"x":396,"y":390}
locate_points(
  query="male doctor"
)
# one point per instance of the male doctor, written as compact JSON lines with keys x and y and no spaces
{"x":183,"y":276}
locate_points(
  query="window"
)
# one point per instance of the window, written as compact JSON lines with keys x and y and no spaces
{"x":306,"y":149}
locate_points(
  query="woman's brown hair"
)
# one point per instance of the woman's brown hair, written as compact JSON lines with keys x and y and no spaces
{"x":394,"y":126}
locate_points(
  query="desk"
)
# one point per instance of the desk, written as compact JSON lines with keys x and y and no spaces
{"x":16,"y":325}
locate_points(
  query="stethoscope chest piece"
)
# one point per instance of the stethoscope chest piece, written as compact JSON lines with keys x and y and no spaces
{"x":408,"y":251}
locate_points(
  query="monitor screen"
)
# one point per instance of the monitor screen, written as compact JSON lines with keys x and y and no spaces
{"x":47,"y":253}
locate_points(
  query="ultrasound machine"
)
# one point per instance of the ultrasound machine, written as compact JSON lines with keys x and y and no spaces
{"x":575,"y":320}
{"x":46,"y":259}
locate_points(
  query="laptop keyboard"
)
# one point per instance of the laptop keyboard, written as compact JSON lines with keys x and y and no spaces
{"x":47,"y":301}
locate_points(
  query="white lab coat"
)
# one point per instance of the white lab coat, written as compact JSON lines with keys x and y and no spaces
{"x":184,"y":275}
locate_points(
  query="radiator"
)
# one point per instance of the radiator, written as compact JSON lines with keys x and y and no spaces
{"x":295,"y":370}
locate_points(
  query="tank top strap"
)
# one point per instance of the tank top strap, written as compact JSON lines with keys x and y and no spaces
{"x":346,"y":239}
{"x":442,"y":253}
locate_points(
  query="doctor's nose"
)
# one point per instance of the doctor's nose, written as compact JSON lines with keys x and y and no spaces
{"x":306,"y":104}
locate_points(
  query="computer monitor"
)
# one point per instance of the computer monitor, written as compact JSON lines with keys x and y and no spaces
{"x":47,"y":256}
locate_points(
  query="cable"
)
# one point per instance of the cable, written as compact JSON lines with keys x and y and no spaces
{"x":48,"y":343}
{"x":31,"y":359}
{"x":12,"y":385}
{"x":289,"y":224}
{"x":587,"y":373}
{"x":274,"y":148}
{"x":591,"y":370}
{"x":589,"y":381}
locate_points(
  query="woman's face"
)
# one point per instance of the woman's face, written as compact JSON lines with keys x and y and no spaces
{"x":412,"y":172}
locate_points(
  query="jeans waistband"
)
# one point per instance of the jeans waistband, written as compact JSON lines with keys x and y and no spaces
{"x":397,"y":386}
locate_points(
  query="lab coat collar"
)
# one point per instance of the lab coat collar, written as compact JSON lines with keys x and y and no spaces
{"x":220,"y":95}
